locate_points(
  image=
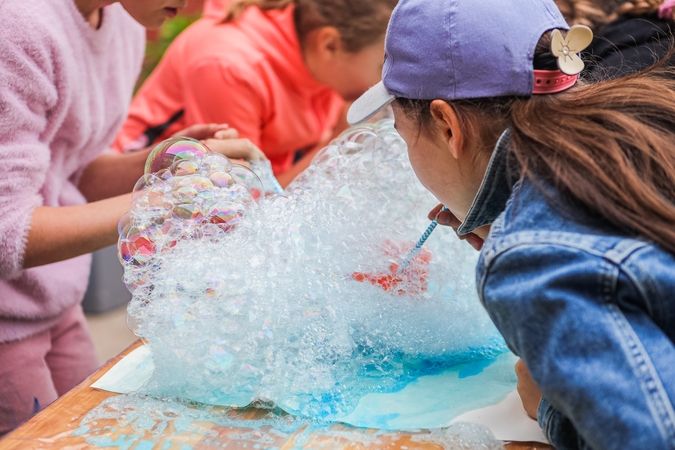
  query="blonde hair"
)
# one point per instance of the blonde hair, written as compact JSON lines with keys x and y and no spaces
{"x":595,"y":13}
{"x":360,"y":22}
{"x":238,"y":7}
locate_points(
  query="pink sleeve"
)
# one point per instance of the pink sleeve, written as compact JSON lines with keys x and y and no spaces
{"x":27,"y":94}
{"x":235,"y":96}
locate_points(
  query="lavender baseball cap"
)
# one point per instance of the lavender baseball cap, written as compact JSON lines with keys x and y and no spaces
{"x":459,"y":49}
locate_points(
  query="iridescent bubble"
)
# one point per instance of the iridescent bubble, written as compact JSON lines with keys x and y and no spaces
{"x":185,"y":194}
{"x":211,"y":230}
{"x":124,"y":225}
{"x":227,"y":215}
{"x":164,"y":174}
{"x":184,"y":168}
{"x":134,"y":325}
{"x":188,"y":211}
{"x":146,"y":182}
{"x":219,"y":359}
{"x":136,"y":247}
{"x":216,"y":163}
{"x":329,"y":159}
{"x":152,"y":201}
{"x":240,"y":193}
{"x":267,"y":328}
{"x":172,"y":150}
{"x":197,"y":182}
{"x":221,"y":179}
{"x":249,"y":179}
{"x":122,"y":257}
{"x":172,"y":230}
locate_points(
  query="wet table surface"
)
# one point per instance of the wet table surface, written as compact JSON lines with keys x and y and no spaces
{"x":53,"y":429}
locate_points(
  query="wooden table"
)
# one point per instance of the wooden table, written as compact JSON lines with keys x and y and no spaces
{"x":53,"y":428}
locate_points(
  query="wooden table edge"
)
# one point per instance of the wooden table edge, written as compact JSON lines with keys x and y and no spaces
{"x":20,"y":435}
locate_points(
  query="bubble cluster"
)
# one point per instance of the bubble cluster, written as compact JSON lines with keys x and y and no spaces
{"x":187,"y":192}
{"x":297,"y":299}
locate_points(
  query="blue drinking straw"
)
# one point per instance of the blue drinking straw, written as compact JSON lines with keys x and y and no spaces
{"x":264,"y":171}
{"x":276,"y":186}
{"x":406,"y":262}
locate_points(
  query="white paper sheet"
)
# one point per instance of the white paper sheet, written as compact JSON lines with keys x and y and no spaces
{"x":429,"y":402}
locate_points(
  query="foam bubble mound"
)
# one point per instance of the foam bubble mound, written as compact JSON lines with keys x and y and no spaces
{"x":297,"y":299}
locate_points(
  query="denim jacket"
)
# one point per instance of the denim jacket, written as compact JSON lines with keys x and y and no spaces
{"x":590,"y":311}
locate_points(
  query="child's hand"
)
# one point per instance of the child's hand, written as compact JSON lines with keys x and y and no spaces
{"x":236,"y":149}
{"x":222,"y":139}
{"x":208,"y":131}
{"x":448,"y":219}
{"x":528,"y":390}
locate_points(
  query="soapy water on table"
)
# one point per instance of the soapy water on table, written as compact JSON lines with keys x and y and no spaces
{"x":296,"y":299}
{"x":143,"y":422}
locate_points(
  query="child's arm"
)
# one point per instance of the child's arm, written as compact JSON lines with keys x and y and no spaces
{"x":115,"y":174}
{"x":57,"y":234}
{"x":604,"y":367}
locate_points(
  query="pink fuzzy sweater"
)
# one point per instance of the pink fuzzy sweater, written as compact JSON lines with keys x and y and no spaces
{"x":64,"y":93}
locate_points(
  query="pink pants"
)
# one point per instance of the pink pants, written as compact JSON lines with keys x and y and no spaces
{"x":37,"y":370}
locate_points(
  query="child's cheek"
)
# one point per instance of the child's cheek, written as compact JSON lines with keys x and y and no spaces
{"x":422,"y":165}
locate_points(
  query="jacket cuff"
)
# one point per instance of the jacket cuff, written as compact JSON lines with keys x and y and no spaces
{"x":558,"y":428}
{"x":545,"y":415}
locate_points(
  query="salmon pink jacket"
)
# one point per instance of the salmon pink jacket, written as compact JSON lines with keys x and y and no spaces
{"x":249,"y":74}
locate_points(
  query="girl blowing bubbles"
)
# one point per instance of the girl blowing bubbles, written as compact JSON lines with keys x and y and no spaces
{"x":67,"y":71}
{"x":571,"y":186}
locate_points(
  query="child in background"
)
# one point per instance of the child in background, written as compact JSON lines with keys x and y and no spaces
{"x":572,"y":187}
{"x":630,"y":35}
{"x":67,"y":72}
{"x":276,"y":70}
{"x":216,"y":9}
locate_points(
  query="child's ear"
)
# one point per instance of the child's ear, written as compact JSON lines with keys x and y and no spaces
{"x":448,"y":126}
{"x":328,"y":41}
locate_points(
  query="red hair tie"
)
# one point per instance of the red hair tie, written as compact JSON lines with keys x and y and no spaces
{"x":666,"y":10}
{"x":552,"y":81}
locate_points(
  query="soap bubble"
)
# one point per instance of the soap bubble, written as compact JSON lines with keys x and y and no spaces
{"x":249,"y":179}
{"x":173,"y":150}
{"x":187,"y":193}
{"x":298,"y":299}
{"x":226,"y":214}
{"x":184,"y":168}
{"x":221,"y":178}
{"x":216,"y":163}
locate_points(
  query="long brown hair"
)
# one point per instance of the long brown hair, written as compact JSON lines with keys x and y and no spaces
{"x":595,"y":13}
{"x":360,"y":22}
{"x":608,"y":147}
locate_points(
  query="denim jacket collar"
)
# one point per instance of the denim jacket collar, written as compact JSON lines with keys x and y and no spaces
{"x":494,"y":191}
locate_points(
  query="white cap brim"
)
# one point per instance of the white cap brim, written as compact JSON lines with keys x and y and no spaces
{"x":369,"y":104}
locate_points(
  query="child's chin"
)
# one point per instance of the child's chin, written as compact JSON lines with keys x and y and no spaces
{"x":154,"y":21}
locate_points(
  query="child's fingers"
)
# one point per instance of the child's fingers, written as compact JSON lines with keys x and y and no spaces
{"x":236,"y":149}
{"x":229,"y":133}
{"x":242,"y":162}
{"x":257,"y":155}
{"x":448,"y":219}
{"x":529,"y":392}
{"x":203,"y":131}
{"x":434,"y":212}
{"x":474,"y":240}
